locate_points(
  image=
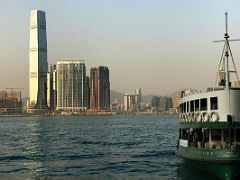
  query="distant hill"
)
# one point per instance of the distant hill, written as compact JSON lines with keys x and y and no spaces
{"x":119,"y":96}
{"x":116,"y":95}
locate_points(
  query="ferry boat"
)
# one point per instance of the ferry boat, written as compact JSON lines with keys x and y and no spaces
{"x":209,"y":122}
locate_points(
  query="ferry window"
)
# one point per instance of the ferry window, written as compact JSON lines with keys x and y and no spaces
{"x":238,"y":135}
{"x":197,"y":105}
{"x":187,"y":107}
{"x":184,"y":107}
{"x":216,"y":134}
{"x":225,"y":135}
{"x":214,"y":103}
{"x":191,"y":106}
{"x":203,"y":104}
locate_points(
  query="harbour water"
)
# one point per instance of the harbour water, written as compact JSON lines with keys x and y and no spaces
{"x":92,"y":147}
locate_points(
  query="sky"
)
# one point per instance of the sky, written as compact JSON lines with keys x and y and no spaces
{"x":160,"y":45}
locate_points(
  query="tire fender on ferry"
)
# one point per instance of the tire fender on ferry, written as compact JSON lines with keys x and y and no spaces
{"x":192,"y":117}
{"x":214,"y":117}
{"x":184,"y":117}
{"x":199,"y":118}
{"x":187,"y":117}
{"x":196,"y":114}
{"x":206,"y":117}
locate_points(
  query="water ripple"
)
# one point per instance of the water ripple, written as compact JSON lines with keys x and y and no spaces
{"x":89,"y":147}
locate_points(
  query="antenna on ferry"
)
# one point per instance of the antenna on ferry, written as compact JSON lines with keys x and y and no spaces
{"x":223,"y":73}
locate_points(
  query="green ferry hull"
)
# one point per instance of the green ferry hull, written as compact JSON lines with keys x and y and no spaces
{"x":223,"y":163}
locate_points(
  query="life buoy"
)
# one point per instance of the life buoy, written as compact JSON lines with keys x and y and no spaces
{"x":192,"y":117}
{"x":206,"y":117}
{"x":183,"y":117}
{"x":214,"y":117}
{"x":187,"y":117}
{"x":199,"y":118}
{"x":196,"y":116}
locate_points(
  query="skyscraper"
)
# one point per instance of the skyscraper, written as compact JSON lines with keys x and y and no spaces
{"x":138,"y":98}
{"x":71,"y":86}
{"x":129,"y":102}
{"x":38,"y":65}
{"x":52,"y":87}
{"x":99,"y":88}
{"x":93,"y":88}
{"x":88,"y":91}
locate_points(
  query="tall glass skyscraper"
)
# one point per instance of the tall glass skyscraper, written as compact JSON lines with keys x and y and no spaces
{"x":71,"y":86}
{"x":38,"y":65}
{"x":99,"y":88}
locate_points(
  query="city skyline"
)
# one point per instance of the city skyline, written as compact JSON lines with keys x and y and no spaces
{"x":158,"y":45}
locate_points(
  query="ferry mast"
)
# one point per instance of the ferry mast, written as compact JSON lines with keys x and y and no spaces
{"x":223,"y":74}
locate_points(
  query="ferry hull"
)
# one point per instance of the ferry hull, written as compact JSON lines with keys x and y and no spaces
{"x":222,"y":163}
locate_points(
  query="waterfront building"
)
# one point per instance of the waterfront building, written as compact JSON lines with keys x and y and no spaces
{"x":169,"y":104}
{"x":132,"y":101}
{"x":115,"y":107}
{"x":155,"y":104}
{"x":93,"y":88}
{"x":99,"y":88}
{"x":175,"y":102}
{"x":138,"y":98}
{"x":129,"y":102}
{"x":71,"y":86}
{"x":88,"y":92}
{"x":163,"y":104}
{"x":38,"y":65}
{"x":52,"y":87}
{"x":10,"y":102}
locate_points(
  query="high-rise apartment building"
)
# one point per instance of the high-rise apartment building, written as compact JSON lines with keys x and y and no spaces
{"x":88,"y":92}
{"x":52,"y":87}
{"x":155,"y":103}
{"x":99,"y":88}
{"x":93,"y":88}
{"x":38,"y":65}
{"x":129,"y":102}
{"x":138,"y":98}
{"x":71,"y":86}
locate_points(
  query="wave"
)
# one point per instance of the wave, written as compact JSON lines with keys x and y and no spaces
{"x":155,"y":154}
{"x":14,"y":158}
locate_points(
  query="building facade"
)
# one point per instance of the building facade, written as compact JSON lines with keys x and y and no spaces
{"x":129,"y":102}
{"x":88,"y":92}
{"x":155,"y":104}
{"x":71,"y":86}
{"x":10,"y":102}
{"x":38,"y":65}
{"x":99,"y":88}
{"x":52,"y":87}
{"x":138,"y":98}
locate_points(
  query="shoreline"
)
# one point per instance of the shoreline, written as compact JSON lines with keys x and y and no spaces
{"x":87,"y":114}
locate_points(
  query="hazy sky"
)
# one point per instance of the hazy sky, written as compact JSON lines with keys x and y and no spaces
{"x":162,"y":45}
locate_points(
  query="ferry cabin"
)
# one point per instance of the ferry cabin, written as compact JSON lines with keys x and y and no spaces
{"x":210,"y":119}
